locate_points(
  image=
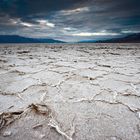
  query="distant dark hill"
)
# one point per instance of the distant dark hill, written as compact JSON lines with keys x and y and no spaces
{"x":20,"y":39}
{"x":87,"y":41}
{"x":133,"y":38}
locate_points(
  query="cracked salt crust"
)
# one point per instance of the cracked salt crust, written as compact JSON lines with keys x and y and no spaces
{"x":70,"y":91}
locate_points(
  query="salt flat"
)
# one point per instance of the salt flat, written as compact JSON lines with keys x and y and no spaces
{"x":70,"y":91}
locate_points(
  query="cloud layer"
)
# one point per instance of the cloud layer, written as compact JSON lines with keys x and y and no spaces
{"x":70,"y":20}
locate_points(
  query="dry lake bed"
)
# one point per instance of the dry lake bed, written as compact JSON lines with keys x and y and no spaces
{"x":70,"y":92}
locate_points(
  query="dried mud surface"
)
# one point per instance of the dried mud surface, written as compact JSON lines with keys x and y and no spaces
{"x":70,"y":92}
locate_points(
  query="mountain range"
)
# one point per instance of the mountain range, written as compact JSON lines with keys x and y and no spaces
{"x":20,"y":39}
{"x":133,"y":38}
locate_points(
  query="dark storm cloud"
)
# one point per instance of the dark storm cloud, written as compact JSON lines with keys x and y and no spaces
{"x":70,"y":19}
{"x":24,"y":8}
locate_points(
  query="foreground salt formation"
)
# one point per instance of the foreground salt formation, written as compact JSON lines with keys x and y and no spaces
{"x":74,"y":92}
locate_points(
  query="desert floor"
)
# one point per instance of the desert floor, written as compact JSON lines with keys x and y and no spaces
{"x":70,"y":92}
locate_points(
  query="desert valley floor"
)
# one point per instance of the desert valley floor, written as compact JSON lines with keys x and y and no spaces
{"x":70,"y":92}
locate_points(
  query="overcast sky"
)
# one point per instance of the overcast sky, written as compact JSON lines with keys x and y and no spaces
{"x":70,"y":20}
